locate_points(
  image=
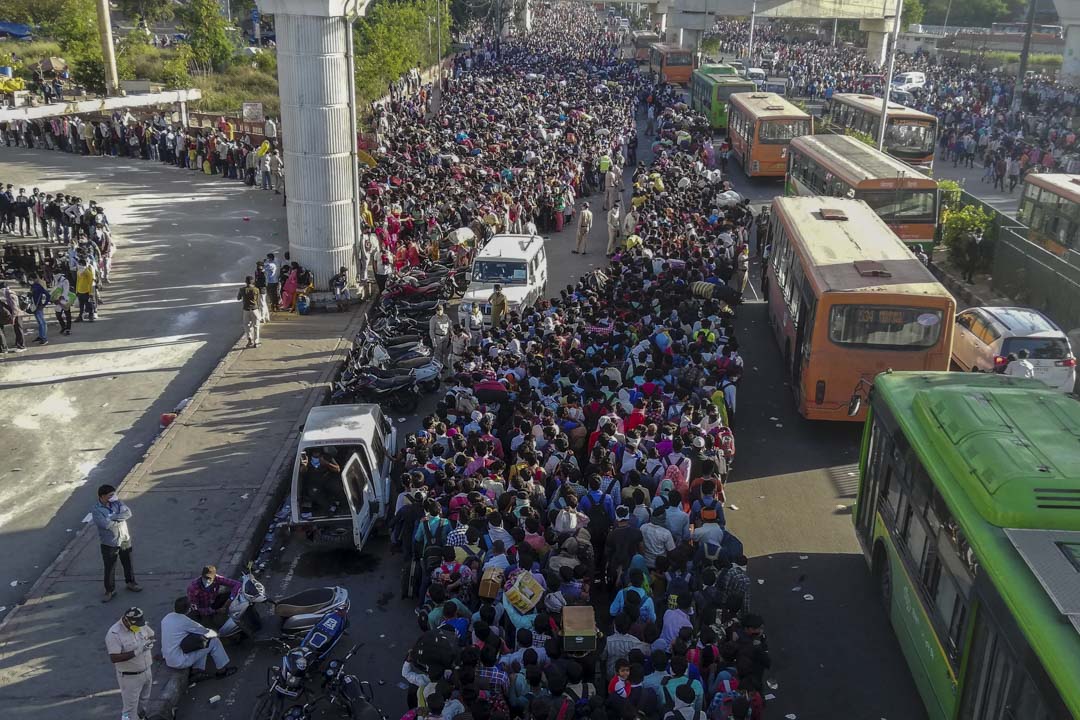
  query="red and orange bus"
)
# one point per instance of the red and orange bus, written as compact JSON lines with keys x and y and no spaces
{"x":848,"y":300}
{"x":671,"y":63}
{"x":761,"y":125}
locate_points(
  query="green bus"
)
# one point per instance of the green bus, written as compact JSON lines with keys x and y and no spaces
{"x":969,"y":513}
{"x":710,"y":89}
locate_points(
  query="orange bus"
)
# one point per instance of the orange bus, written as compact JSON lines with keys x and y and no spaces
{"x":848,"y":300}
{"x":841,"y":166}
{"x":671,"y":63}
{"x":909,"y":134}
{"x":760,"y":126}
{"x":643,"y":40}
{"x":1050,"y":207}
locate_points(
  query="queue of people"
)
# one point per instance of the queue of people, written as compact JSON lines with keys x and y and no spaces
{"x":67,"y":274}
{"x":210,"y":150}
{"x":579,"y":457}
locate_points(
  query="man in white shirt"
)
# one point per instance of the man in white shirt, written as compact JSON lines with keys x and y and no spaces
{"x":273,"y":282}
{"x":176,"y":627}
{"x":1020,"y":366}
{"x":656,"y":539}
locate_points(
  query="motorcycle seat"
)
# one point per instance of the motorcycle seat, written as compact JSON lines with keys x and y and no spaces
{"x":392,"y":382}
{"x":306,"y":601}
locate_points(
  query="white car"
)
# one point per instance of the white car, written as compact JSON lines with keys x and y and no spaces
{"x":985,"y":336}
{"x":516,"y":262}
{"x":908,"y":81}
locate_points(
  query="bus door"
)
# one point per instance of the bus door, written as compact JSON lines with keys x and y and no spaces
{"x":800,"y":356}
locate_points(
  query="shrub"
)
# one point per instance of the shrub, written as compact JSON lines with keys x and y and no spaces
{"x":950,"y":193}
{"x":958,"y":224}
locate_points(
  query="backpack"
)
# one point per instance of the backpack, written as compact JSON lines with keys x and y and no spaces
{"x":433,"y":542}
{"x":676,"y":473}
{"x":435,"y":649}
{"x":678,"y":585}
{"x":599,"y":520}
{"x":727,"y":442}
{"x":727,"y":689}
{"x":5,"y":314}
{"x":675,"y":715}
{"x":581,"y":704}
{"x":565,"y":711}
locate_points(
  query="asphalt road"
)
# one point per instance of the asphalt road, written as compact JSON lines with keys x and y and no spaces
{"x":82,"y":410}
{"x":794,"y":483}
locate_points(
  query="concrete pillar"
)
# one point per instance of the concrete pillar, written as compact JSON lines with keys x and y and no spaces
{"x":1070,"y":67}
{"x":318,"y":137}
{"x":689,"y":38}
{"x":527,"y":15}
{"x":877,"y":37}
{"x":658,"y":17}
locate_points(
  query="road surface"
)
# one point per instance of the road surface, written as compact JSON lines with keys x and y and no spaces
{"x":82,"y":410}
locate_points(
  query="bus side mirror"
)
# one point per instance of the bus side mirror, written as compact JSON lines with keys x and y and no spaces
{"x":854,"y":405}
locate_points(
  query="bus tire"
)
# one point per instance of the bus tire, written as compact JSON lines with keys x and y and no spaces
{"x":883,"y":575}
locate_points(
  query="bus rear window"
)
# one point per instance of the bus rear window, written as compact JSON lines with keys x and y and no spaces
{"x":782,"y":131}
{"x":679,"y":59}
{"x":902,"y":205}
{"x":1038,"y":348}
{"x":885,"y":326}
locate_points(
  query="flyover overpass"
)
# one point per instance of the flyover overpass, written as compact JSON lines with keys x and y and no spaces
{"x":690,"y":18}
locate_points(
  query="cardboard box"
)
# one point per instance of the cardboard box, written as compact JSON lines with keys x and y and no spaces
{"x":525,"y":593}
{"x":579,"y":628}
{"x":491,"y":583}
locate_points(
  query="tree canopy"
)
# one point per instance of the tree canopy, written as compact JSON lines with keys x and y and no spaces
{"x":394,"y":38}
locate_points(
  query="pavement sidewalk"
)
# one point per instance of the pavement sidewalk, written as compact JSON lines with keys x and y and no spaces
{"x":202,"y":494}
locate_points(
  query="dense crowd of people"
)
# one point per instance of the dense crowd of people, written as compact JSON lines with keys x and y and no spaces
{"x":974,"y":104}
{"x":578,"y":459}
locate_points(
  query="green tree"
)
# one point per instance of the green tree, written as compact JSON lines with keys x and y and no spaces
{"x":394,"y":38}
{"x":913,"y":13}
{"x":151,"y":11}
{"x":208,"y":35}
{"x":974,"y":13}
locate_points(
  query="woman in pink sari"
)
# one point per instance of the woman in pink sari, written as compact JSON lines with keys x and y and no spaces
{"x":288,"y":288}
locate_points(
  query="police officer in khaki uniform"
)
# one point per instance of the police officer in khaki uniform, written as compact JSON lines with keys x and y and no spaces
{"x":130,"y":643}
{"x":439,"y":332}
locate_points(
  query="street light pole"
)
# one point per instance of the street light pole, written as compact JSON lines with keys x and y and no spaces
{"x":750,"y":48}
{"x":889,"y":75}
{"x":1018,"y":89}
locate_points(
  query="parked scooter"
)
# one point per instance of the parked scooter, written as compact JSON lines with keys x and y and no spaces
{"x":299,"y":613}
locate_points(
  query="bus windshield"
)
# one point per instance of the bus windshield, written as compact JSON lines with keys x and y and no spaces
{"x":782,"y":131}
{"x":885,"y":326}
{"x":506,"y":272}
{"x":910,"y":136}
{"x":902,"y":205}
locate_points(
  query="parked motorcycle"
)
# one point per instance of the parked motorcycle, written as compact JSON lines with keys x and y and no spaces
{"x":288,"y":680}
{"x":399,"y":392}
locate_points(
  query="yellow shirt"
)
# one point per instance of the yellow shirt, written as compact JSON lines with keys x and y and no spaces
{"x":84,"y":281}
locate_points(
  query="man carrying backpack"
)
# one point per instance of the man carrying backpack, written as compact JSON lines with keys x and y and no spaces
{"x":683,"y":706}
{"x":429,"y":540}
{"x":600,"y":510}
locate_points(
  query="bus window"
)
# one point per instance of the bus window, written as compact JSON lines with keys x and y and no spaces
{"x":902,"y":205}
{"x":897,"y":328}
{"x":908,"y":137}
{"x":679,"y":59}
{"x":782,"y":131}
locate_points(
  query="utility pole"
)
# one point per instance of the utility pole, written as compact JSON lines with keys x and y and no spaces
{"x":1018,"y":89}
{"x":108,"y":52}
{"x":889,"y":76}
{"x":835,"y":29}
{"x":438,"y":36}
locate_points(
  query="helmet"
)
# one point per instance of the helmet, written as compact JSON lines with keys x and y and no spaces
{"x":135,"y":618}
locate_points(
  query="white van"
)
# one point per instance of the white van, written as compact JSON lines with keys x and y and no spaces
{"x":908,"y":80}
{"x":518,"y":263}
{"x":343,"y":505}
{"x":757,"y":76}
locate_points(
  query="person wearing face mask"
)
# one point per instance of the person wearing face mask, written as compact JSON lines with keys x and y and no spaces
{"x":209,"y":595}
{"x":130,"y":644}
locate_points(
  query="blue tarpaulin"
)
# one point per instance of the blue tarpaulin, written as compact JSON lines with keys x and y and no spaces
{"x":15,"y":30}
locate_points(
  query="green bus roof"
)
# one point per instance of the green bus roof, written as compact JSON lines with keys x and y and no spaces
{"x":721,"y":69}
{"x":1004,"y":453}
